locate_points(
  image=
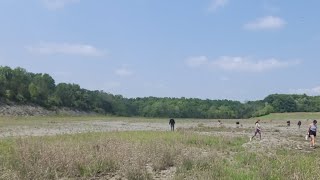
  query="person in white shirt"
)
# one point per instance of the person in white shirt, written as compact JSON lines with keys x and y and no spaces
{"x":257,"y":130}
{"x":312,"y":130}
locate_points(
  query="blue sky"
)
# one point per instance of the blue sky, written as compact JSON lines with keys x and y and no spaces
{"x":208,"y":49}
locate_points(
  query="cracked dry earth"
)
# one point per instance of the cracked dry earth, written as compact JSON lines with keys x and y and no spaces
{"x":275,"y":134}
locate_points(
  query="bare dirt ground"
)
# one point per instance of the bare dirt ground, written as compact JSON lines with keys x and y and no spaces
{"x":275,"y":133}
{"x":82,"y":127}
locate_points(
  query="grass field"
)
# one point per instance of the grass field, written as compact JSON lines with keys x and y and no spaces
{"x":288,"y":116}
{"x":204,"y":150}
{"x":143,"y":155}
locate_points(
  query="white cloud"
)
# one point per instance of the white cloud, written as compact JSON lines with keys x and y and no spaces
{"x":57,"y":4}
{"x":265,"y":23}
{"x":312,"y":91}
{"x":66,"y":49}
{"x":197,"y":61}
{"x":243,"y":64}
{"x":216,"y":4}
{"x":123,"y":71}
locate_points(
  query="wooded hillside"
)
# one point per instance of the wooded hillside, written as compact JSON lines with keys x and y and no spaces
{"x":22,"y":87}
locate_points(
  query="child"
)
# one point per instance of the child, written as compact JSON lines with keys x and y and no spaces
{"x":258,"y":130}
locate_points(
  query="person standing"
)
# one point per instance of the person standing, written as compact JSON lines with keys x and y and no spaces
{"x":171,"y":123}
{"x":299,"y":124}
{"x":312,"y":133}
{"x":257,"y":130}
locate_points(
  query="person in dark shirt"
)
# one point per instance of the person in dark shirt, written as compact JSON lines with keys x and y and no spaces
{"x":171,"y":123}
{"x":299,"y":124}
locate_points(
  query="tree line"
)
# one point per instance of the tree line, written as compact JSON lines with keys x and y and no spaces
{"x":19,"y":86}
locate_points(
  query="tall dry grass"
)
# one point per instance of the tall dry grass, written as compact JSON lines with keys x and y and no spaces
{"x":100,"y":155}
{"x":144,"y":155}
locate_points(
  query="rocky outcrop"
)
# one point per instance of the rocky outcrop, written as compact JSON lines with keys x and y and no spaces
{"x":34,"y":110}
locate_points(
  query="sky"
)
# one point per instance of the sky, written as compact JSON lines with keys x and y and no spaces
{"x":209,"y":49}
